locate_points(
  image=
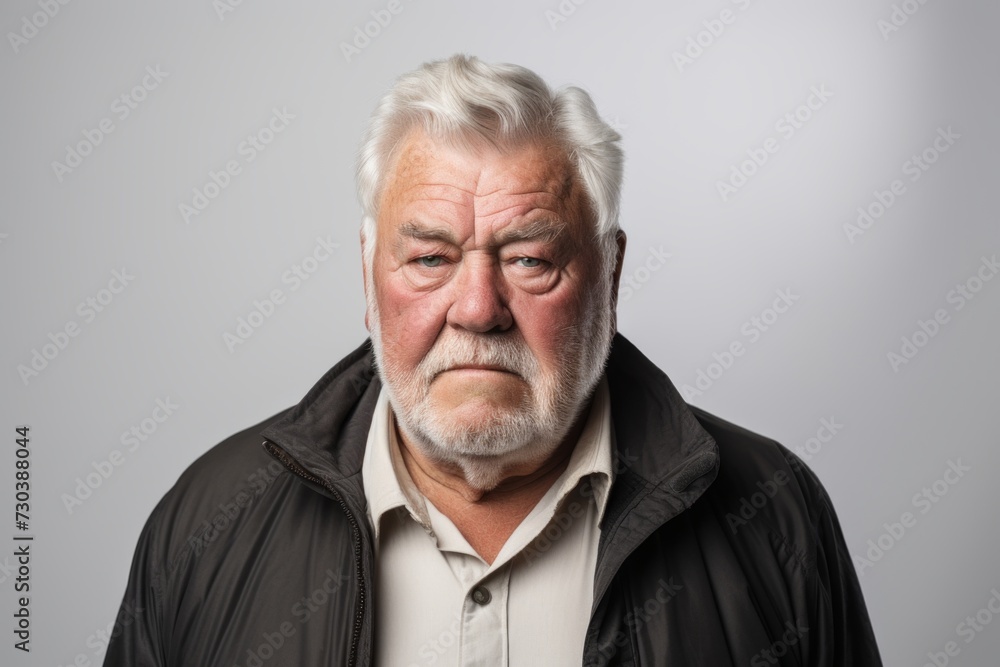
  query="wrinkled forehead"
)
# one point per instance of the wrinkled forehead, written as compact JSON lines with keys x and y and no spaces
{"x":483,"y":186}
{"x":463,"y":171}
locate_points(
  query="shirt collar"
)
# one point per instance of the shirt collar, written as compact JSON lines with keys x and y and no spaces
{"x":383,"y":469}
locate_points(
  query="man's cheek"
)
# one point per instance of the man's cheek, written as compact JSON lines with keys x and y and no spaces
{"x":546,"y":323}
{"x":408,"y":342}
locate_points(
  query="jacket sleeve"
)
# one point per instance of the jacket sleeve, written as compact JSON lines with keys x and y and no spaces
{"x":840,"y":631}
{"x":136,"y":637}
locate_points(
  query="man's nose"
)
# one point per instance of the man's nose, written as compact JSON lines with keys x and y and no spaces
{"x":480,"y":304}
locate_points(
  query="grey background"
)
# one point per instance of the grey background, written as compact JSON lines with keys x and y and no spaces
{"x":162,"y":336}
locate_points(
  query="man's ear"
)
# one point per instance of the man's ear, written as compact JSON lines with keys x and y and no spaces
{"x":620,"y":240}
{"x":364,"y":279}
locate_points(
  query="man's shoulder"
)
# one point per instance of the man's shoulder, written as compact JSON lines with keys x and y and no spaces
{"x":212,"y":493}
{"x":229,"y":484}
{"x":741,"y":448}
{"x":229,"y":466}
{"x":237,"y":527}
{"x":761,"y":483}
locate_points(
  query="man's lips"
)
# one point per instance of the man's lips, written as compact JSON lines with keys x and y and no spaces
{"x":480,"y":367}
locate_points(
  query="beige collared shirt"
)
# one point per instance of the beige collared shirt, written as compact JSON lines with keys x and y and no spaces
{"x":438,"y":603}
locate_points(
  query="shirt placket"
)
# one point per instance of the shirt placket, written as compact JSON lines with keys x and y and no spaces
{"x":484,"y":620}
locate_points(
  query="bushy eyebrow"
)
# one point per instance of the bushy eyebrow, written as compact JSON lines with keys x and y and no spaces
{"x":539,"y":230}
{"x":545,"y":231}
{"x":414,"y":231}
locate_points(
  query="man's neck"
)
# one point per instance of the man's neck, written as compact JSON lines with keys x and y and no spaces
{"x":487,"y":518}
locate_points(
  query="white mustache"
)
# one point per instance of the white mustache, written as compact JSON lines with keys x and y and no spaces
{"x":508,"y":354}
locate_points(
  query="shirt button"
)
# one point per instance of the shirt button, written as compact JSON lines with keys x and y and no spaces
{"x":481,"y":595}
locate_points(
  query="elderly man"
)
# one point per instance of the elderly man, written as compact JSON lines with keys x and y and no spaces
{"x":499,"y":477}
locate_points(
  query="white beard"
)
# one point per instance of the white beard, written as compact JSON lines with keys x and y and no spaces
{"x":492,"y":445}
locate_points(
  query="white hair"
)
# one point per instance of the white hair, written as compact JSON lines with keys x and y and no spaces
{"x":463,"y":100}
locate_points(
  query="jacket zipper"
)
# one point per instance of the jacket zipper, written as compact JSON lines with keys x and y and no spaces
{"x":290,"y":463}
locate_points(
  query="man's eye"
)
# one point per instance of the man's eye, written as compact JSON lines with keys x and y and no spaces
{"x":430,"y":261}
{"x":529,"y":262}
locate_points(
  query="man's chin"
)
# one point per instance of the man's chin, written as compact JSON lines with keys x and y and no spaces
{"x":475,"y":413}
{"x":484,"y":449}
{"x":469,"y":390}
{"x":486,"y":438}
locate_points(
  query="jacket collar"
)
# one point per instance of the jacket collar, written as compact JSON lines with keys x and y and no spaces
{"x":325,"y":434}
{"x":664,"y":458}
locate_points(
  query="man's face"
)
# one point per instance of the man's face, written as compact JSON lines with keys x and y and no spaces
{"x":488,"y":308}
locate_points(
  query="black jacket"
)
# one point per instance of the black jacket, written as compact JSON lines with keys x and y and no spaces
{"x":718,"y":546}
